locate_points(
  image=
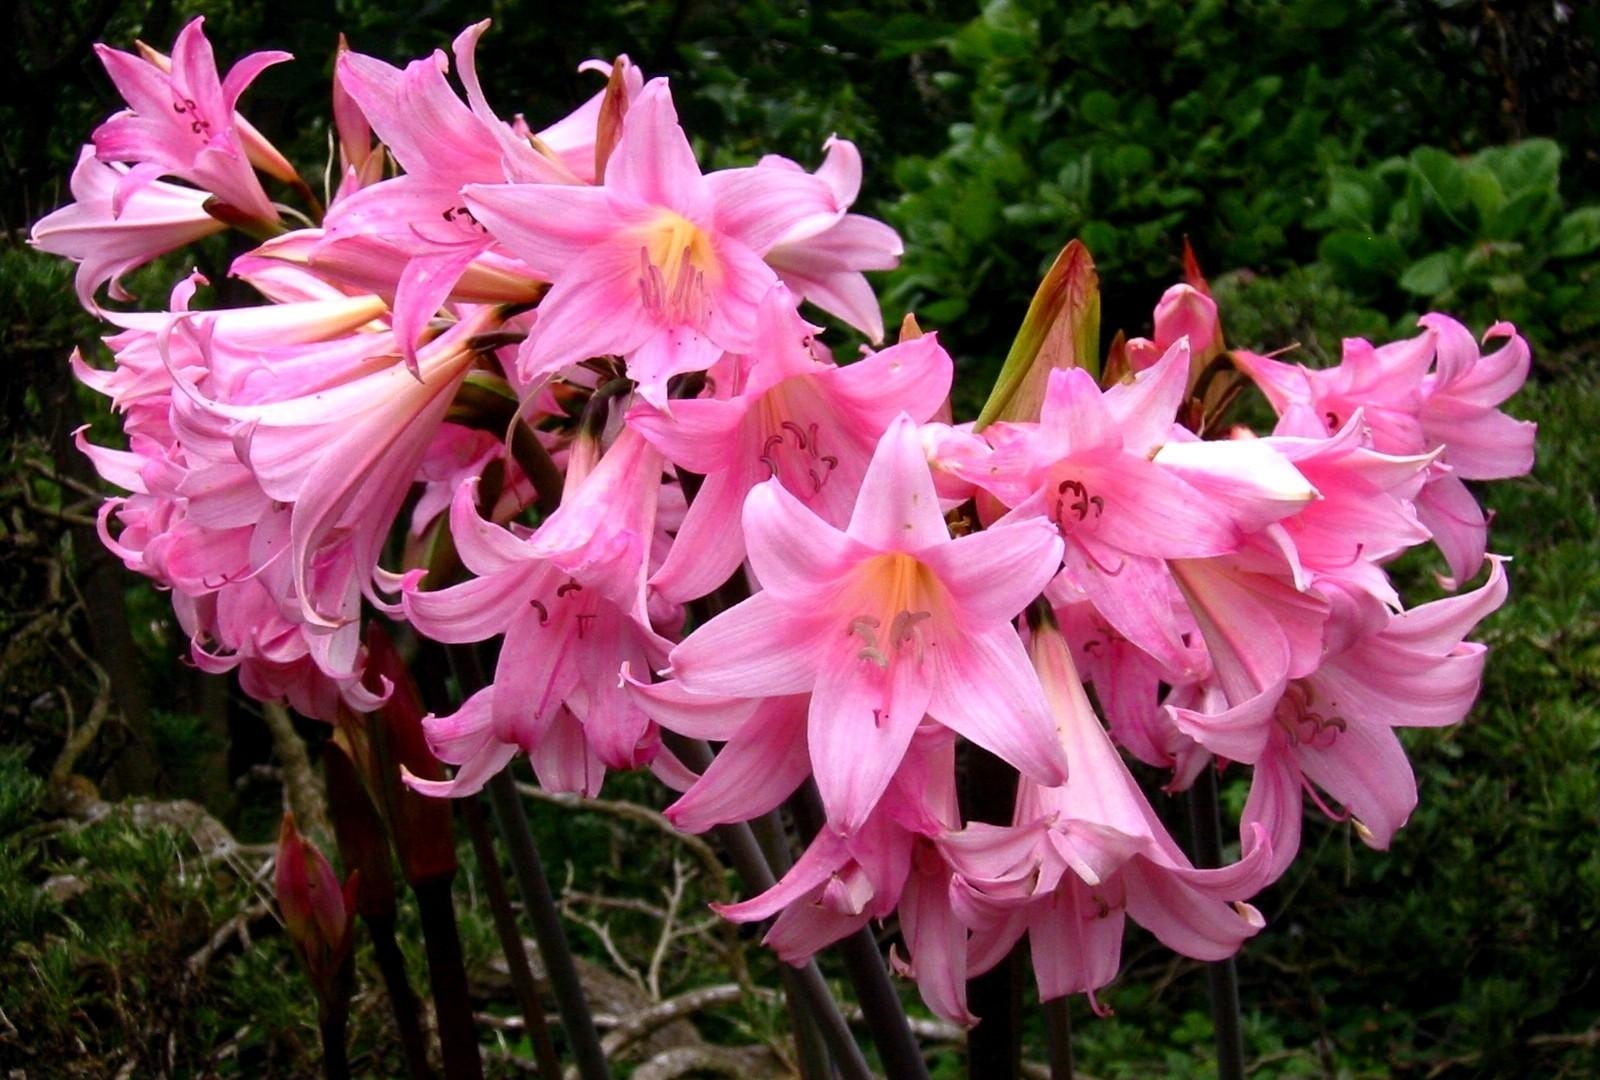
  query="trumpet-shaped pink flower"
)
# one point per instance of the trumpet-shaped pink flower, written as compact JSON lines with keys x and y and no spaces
{"x":1084,"y":853}
{"x":792,"y":416}
{"x":660,"y":265}
{"x":180,"y":122}
{"x":108,"y":237}
{"x":1334,"y":727}
{"x":822,"y":258}
{"x":884,"y":623}
{"x":570,"y":601}
{"x":427,"y":239}
{"x":842,"y":882}
{"x":342,"y":457}
{"x":1408,"y":409}
{"x":1086,"y":467}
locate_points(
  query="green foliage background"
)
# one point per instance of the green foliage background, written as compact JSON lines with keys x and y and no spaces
{"x":1339,"y":167}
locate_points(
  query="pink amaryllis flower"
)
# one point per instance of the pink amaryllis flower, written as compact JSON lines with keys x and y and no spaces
{"x":1432,"y":392}
{"x":1084,"y":854}
{"x":790,"y":415}
{"x":180,"y":122}
{"x":1086,"y":466}
{"x":1334,"y":728}
{"x":106,"y":239}
{"x":660,"y":264}
{"x":884,"y":623}
{"x":822,"y":258}
{"x":570,"y":601}
{"x":414,"y":229}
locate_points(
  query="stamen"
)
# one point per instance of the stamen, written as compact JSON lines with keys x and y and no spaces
{"x":798,"y":433}
{"x":571,"y":586}
{"x":871,"y":652}
{"x":544,"y":612}
{"x":866,"y":627}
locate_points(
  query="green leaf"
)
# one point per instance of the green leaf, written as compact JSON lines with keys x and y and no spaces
{"x":1532,"y":166}
{"x":1098,"y":107}
{"x":1060,"y":330}
{"x":1349,"y":205}
{"x":1484,"y":189}
{"x":1432,"y":275}
{"x":1578,"y":233}
{"x":1442,"y":178}
{"x":1361,"y":260}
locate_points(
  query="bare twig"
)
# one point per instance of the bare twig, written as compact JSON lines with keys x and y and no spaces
{"x":684,"y":1060}
{"x":639,"y":1025}
{"x":627,"y":811}
{"x":674,"y":896}
{"x":301,"y":786}
{"x":1588,"y":1038}
{"x":80,"y":739}
{"x":238,"y":926}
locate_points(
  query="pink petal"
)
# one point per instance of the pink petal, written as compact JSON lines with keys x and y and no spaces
{"x":759,"y":648}
{"x":862,"y":719}
{"x":798,"y":573}
{"x":547,"y":226}
{"x":759,"y":768}
{"x":897,"y":508}
{"x":758,"y":206}
{"x":993,"y":574}
{"x":653,"y":163}
{"x":1185,"y":919}
{"x":985,"y":689}
{"x":1366,"y":769}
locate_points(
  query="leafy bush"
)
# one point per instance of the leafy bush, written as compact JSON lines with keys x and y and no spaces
{"x":1129,"y":125}
{"x":1484,"y":237}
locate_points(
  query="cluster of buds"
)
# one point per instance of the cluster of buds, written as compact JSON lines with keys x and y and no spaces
{"x":572,"y":370}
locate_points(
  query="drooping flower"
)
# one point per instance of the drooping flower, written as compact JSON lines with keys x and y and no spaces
{"x":570,"y":601}
{"x":106,"y":239}
{"x":1082,"y":855}
{"x":181,"y":122}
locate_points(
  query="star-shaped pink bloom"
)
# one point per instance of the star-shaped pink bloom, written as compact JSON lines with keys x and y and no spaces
{"x":180,"y":122}
{"x":806,"y":422}
{"x":883,"y":624}
{"x":660,"y":264}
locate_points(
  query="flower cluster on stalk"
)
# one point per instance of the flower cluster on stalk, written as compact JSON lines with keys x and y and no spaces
{"x":570,"y":372}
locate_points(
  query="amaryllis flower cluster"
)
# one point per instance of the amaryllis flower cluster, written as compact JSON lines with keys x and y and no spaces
{"x":551,"y":385}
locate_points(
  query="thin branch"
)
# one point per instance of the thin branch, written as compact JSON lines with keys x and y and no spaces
{"x":674,"y":897}
{"x":236,"y":927}
{"x":541,"y":908}
{"x":643,"y":815}
{"x":301,"y":787}
{"x":641,"y":1024}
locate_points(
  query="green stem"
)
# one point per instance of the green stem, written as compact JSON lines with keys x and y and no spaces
{"x":447,"y":978}
{"x":540,"y":904}
{"x":1222,"y":975}
{"x":811,"y":1003}
{"x":869,"y":974}
{"x":505,"y":925}
{"x":402,"y":999}
{"x":1058,"y":1030}
{"x":994,"y":1047}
